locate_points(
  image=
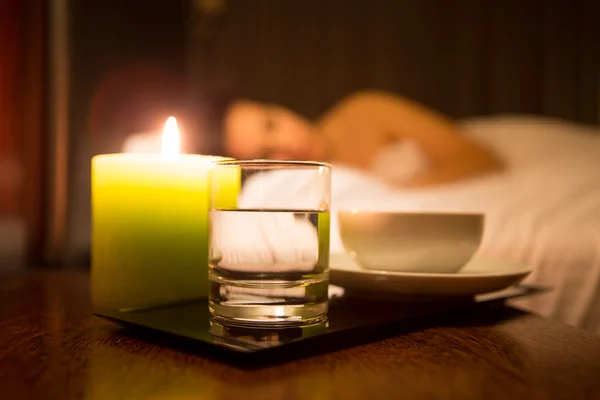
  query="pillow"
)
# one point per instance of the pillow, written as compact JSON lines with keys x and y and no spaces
{"x":525,"y":141}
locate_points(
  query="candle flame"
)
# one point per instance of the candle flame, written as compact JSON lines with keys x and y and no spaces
{"x":170,"y":138}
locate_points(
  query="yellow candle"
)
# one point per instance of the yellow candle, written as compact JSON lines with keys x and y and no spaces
{"x":149,"y":226}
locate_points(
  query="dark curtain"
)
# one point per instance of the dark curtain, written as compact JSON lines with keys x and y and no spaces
{"x":22,"y":91}
{"x":462,"y":57}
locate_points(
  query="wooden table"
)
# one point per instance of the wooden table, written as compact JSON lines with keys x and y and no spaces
{"x":51,"y":347}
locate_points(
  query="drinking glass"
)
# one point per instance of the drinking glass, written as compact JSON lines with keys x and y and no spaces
{"x":269,"y":252}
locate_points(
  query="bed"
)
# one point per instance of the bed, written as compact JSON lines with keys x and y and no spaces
{"x":543,"y":209}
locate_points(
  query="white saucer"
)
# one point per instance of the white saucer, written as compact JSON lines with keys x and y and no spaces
{"x":477,"y":277}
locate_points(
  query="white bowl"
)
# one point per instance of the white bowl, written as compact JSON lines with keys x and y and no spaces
{"x":411,"y":242}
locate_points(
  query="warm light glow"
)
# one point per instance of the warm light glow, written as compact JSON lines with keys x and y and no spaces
{"x":170,"y":138}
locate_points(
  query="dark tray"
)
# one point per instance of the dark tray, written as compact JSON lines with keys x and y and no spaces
{"x":352,"y":320}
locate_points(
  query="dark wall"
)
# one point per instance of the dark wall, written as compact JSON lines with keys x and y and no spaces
{"x":463,"y":57}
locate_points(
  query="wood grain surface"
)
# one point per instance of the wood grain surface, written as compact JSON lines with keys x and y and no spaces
{"x":52,"y":348}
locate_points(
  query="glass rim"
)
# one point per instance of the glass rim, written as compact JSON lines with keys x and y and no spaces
{"x":270,"y":163}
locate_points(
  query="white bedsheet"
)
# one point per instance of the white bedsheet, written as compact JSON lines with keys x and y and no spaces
{"x":553,"y":219}
{"x":543,"y":210}
{"x":538,"y":217}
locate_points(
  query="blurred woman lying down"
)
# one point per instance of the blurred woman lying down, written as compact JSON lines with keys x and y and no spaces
{"x":356,"y":132}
